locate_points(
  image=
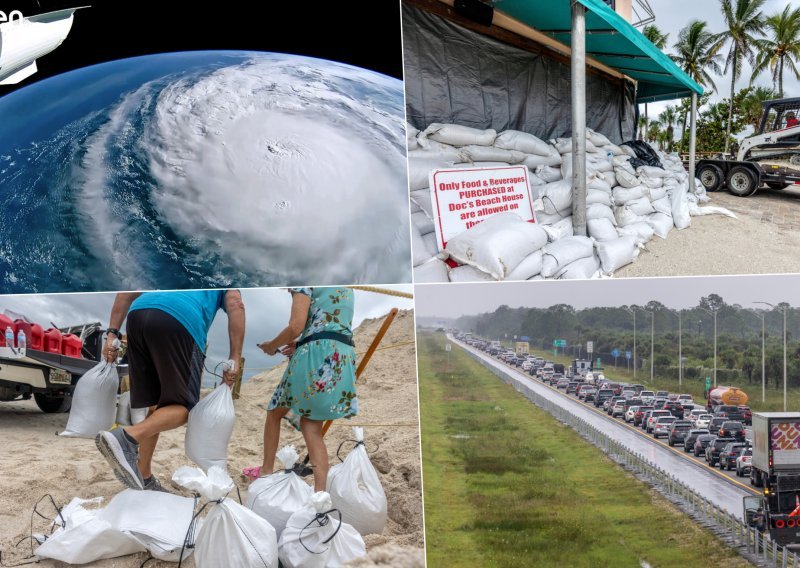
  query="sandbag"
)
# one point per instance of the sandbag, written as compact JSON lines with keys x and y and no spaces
{"x":94,"y":402}
{"x":680,"y":208}
{"x":641,"y":232}
{"x":430,"y":271}
{"x":564,"y":145}
{"x":422,"y":197}
{"x":123,"y":416}
{"x":625,"y":178}
{"x":556,"y":196}
{"x":696,"y":210}
{"x":656,"y":193}
{"x":530,"y":266}
{"x":628,"y":151}
{"x":596,"y":138}
{"x":661,"y":223}
{"x":599,"y":211}
{"x":612,"y":149}
{"x":598,"y":182}
{"x":431,"y":243}
{"x":623,"y":162}
{"x":616,"y":253}
{"x":315,"y":538}
{"x":562,"y":252}
{"x":498,"y":244}
{"x":474,"y":153}
{"x":457,"y":135}
{"x":601,"y":229}
{"x":138,"y":415}
{"x":580,"y":269}
{"x":419,"y":249}
{"x":356,"y":490}
{"x":411,"y":137}
{"x":533,"y":161}
{"x":663,"y":205}
{"x":209,"y":429}
{"x":423,"y":222}
{"x":543,"y":218}
{"x":651,"y":182}
{"x":623,"y":195}
{"x":467,"y":273}
{"x":549,"y":174}
{"x":641,"y":206}
{"x":420,"y":168}
{"x":559,"y":230}
{"x":231,"y":535}
{"x":651,"y":171}
{"x":522,"y":142}
{"x":598,"y":196}
{"x":276,"y":496}
{"x":611,"y":178}
{"x":624,"y":216}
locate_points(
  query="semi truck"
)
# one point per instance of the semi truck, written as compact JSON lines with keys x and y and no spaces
{"x":776,"y":469}
{"x":522,"y":348}
{"x":727,"y":396}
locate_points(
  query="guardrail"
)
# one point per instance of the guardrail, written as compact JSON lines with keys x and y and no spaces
{"x":753,"y":545}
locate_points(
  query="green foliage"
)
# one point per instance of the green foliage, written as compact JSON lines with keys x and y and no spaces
{"x":780,"y":48}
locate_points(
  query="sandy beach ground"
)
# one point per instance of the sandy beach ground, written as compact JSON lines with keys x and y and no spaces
{"x":764,"y":239}
{"x":34,"y":461}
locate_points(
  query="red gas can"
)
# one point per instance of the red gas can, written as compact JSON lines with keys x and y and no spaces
{"x":71,"y":345}
{"x":52,"y":341}
{"x":6,"y":322}
{"x":36,"y":338}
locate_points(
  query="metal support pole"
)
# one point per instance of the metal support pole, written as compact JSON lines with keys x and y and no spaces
{"x":692,"y":141}
{"x":680,"y":351}
{"x":652,"y":345}
{"x":715,"y":348}
{"x":763,"y":360}
{"x":784,"y":358}
{"x":578,"y":76}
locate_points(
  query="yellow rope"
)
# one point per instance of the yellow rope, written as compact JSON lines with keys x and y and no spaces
{"x":384,"y":291}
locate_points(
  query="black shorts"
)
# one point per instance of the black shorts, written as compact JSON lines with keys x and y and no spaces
{"x":165,"y":363}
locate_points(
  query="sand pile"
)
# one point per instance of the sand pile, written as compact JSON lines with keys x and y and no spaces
{"x":34,"y":461}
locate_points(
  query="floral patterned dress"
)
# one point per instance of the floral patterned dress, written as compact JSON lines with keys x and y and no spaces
{"x":319,"y":382}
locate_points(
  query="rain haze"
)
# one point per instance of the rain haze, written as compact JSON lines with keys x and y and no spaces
{"x":455,"y":300}
{"x":267,"y":312}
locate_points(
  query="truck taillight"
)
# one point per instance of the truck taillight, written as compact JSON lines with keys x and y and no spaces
{"x":790,"y":523}
{"x":779,"y":523}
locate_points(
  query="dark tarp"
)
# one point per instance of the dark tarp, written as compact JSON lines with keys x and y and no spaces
{"x":454,"y":75}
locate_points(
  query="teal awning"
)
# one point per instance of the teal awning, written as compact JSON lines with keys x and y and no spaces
{"x":611,"y":40}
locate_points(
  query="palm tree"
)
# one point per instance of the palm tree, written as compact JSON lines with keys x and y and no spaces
{"x":642,"y":127}
{"x":781,"y":48}
{"x":697,"y":53}
{"x":684,"y":108}
{"x":663,"y":140}
{"x":667,"y":118}
{"x":752,"y":107}
{"x":743,"y":20}
{"x":655,"y":36}
{"x":653,"y":130}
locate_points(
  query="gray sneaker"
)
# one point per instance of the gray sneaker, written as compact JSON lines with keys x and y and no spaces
{"x":122,"y":455}
{"x":153,"y":484}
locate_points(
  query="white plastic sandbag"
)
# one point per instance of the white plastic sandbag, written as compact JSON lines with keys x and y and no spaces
{"x":598,"y":196}
{"x":457,"y":135}
{"x":562,"y":252}
{"x":231,"y":535}
{"x":623,"y":195}
{"x":641,"y":206}
{"x":533,"y":161}
{"x":356,"y":490}
{"x":580,"y":269}
{"x":467,"y":273}
{"x":626,"y":178}
{"x":530,"y":266}
{"x":549,"y":174}
{"x":423,"y":222}
{"x":661,"y":223}
{"x":314,"y":537}
{"x":422,"y":197}
{"x":556,"y":196}
{"x":600,"y":211}
{"x":421,"y":166}
{"x":679,"y":202}
{"x":641,"y":232}
{"x":651,"y":171}
{"x":94,"y":402}
{"x":559,"y":230}
{"x":601,"y":229}
{"x":209,"y":429}
{"x":123,"y":417}
{"x":663,"y":205}
{"x":432,"y":270}
{"x":276,"y":496}
{"x":522,"y":142}
{"x":498,"y":244}
{"x":615,"y":254}
{"x":419,"y":248}
{"x":475,"y":153}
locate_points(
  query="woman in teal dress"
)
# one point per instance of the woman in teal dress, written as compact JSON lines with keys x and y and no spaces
{"x":319,"y":381}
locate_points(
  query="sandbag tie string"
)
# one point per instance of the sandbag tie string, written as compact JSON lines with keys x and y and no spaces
{"x":30,"y":537}
{"x":356,"y":444}
{"x":188,"y":540}
{"x":322,"y":520}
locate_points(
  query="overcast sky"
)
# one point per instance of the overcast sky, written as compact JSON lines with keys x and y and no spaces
{"x":454,"y":300}
{"x":672,"y":15}
{"x":267,"y":312}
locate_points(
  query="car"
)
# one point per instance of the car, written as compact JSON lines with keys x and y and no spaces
{"x":526,"y":365}
{"x":693,"y":414}
{"x":728,"y":455}
{"x":639,"y":414}
{"x":586,"y":391}
{"x":638,"y":389}
{"x":691,"y":438}
{"x":732,"y":429}
{"x":703,"y":421}
{"x":675,"y":408}
{"x":647,"y":397}
{"x":730,"y":412}
{"x":701,"y":443}
{"x":556,"y":376}
{"x":608,"y":405}
{"x":590,"y":394}
{"x":678,"y":432}
{"x":714,"y":449}
{"x":618,"y":409}
{"x":662,"y":426}
{"x":571,"y":387}
{"x":658,"y":401}
{"x":628,"y":392}
{"x":686,"y":397}
{"x":744,"y":462}
{"x":655,"y":415}
{"x":715,"y":424}
{"x":635,"y":401}
{"x":616,"y":387}
{"x":562,"y":384}
{"x":602,"y":395}
{"x":747,"y":414}
{"x":630,"y":413}
{"x":662,"y":394}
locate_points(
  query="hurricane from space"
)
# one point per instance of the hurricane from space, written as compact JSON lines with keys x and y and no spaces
{"x":204,"y":170}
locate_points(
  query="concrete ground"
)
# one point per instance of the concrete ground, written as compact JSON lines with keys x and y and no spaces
{"x":765,"y":239}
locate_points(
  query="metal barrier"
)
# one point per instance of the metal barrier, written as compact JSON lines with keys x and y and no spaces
{"x":753,"y":545}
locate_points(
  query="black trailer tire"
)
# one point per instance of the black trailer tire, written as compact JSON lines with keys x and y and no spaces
{"x":711,"y":177}
{"x":742,"y":181}
{"x":52,"y":404}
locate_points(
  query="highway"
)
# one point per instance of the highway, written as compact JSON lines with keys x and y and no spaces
{"x":723,"y":489}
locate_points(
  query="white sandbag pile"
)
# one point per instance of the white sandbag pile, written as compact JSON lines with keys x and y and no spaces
{"x":277,"y":495}
{"x":230,"y":535}
{"x":94,"y":402}
{"x":626,"y":206}
{"x":209,"y":429}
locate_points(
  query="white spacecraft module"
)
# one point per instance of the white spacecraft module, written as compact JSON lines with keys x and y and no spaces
{"x":23,"y":41}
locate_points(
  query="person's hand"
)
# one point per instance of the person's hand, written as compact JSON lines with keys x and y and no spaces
{"x":110,"y":351}
{"x":268,"y":348}
{"x":288,"y":350}
{"x":229,"y":375}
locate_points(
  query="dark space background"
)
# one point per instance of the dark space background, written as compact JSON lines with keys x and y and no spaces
{"x":116,"y":29}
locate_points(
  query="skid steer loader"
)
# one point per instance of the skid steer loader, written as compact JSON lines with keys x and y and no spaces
{"x":770,"y":157}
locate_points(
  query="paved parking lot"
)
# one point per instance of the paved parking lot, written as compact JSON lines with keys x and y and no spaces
{"x":777,"y":207}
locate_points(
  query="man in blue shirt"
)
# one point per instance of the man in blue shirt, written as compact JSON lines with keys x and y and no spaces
{"x":167,"y":335}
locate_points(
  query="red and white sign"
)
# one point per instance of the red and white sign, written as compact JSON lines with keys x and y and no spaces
{"x":463,"y":198}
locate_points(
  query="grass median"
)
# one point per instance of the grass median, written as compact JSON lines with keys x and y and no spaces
{"x":505,"y":484}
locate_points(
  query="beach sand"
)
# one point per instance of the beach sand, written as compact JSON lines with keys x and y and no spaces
{"x":34,"y":461}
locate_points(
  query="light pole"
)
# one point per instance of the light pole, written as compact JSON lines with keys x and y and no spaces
{"x":763,"y":355}
{"x":633,"y":311}
{"x":652,"y":342}
{"x":783,"y":309}
{"x":713,"y":312}
{"x":680,"y":347}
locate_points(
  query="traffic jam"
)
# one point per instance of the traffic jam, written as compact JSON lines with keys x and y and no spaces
{"x":756,"y":451}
